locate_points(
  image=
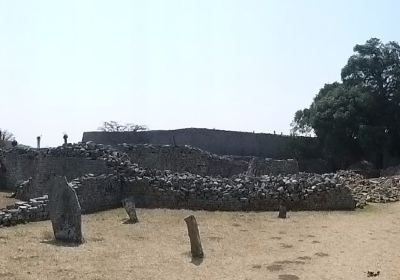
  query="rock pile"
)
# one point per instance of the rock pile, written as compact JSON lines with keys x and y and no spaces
{"x":376,"y":190}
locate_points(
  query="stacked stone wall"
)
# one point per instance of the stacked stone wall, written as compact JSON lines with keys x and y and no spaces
{"x":96,"y":193}
{"x":25,"y":211}
{"x":197,"y":161}
{"x":166,"y":189}
{"x":40,"y":165}
{"x":188,"y":191}
{"x":220,"y":142}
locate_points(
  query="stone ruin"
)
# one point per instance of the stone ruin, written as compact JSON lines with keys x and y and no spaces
{"x":160,"y":176}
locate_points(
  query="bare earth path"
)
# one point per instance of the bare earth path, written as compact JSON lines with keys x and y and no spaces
{"x":307,"y":245}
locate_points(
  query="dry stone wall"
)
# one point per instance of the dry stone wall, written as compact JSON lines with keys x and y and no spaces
{"x":155,"y":188}
{"x":185,"y":190}
{"x":183,"y":159}
{"x":220,"y":142}
{"x":39,"y":165}
{"x":196,"y":161}
{"x":96,"y":193}
{"x":33,"y":210}
{"x":162,"y":189}
{"x":152,"y":188}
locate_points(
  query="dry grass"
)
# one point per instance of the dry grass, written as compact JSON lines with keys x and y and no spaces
{"x":307,"y":245}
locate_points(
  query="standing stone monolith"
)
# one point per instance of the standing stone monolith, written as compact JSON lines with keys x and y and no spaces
{"x":65,"y":136}
{"x":65,"y":211}
{"x":194,"y":236}
{"x":282,"y":211}
{"x":38,"y":142}
{"x":129,"y":205}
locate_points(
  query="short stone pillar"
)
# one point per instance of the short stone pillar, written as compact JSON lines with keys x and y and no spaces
{"x":194,"y":236}
{"x":282,"y":211}
{"x":129,"y":205}
{"x":65,"y":139}
{"x":38,"y":142}
{"x":65,"y":211}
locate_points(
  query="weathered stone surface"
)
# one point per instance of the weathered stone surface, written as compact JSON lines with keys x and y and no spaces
{"x":129,"y":205}
{"x":65,"y":211}
{"x":282,"y":211}
{"x":197,"y":161}
{"x":194,"y":236}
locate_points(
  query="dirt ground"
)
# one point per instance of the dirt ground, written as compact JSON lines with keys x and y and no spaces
{"x":307,"y":245}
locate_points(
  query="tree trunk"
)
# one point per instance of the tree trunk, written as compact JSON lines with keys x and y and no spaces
{"x":193,"y":231}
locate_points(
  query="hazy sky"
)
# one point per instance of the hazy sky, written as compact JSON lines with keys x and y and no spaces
{"x":67,"y":66}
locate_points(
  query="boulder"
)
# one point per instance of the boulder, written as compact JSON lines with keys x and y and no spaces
{"x":65,"y":211}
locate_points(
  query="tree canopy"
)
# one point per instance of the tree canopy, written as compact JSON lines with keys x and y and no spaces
{"x":113,"y":126}
{"x":358,"y":117}
{"x":5,"y":137}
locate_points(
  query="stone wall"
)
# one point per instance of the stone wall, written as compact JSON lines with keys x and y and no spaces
{"x":96,"y":193}
{"x":106,"y":191}
{"x":258,"y":167}
{"x":319,"y":166}
{"x":196,"y":161}
{"x":166,"y":189}
{"x":22,"y":164}
{"x":156,"y":189}
{"x":220,"y":142}
{"x":299,"y":192}
{"x":25,"y":211}
{"x":183,"y":159}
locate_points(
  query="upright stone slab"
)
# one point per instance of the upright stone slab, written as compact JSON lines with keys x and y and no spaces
{"x":129,"y":205}
{"x":282,"y":211}
{"x":194,"y":236}
{"x":65,"y":211}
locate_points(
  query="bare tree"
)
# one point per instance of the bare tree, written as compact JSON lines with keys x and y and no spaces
{"x":113,"y":126}
{"x":5,"y":137}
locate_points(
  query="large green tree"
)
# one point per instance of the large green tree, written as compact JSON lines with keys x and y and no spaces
{"x":359,"y":117}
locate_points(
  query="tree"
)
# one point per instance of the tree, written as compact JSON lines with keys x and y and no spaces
{"x":361,"y":115}
{"x":376,"y":68}
{"x":5,"y":137}
{"x":334,"y":116}
{"x":113,"y":126}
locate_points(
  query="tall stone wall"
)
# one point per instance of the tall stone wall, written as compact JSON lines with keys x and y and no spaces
{"x":196,"y":161}
{"x":219,"y":142}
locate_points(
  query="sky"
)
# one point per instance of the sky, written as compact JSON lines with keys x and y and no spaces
{"x":68,"y":66}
